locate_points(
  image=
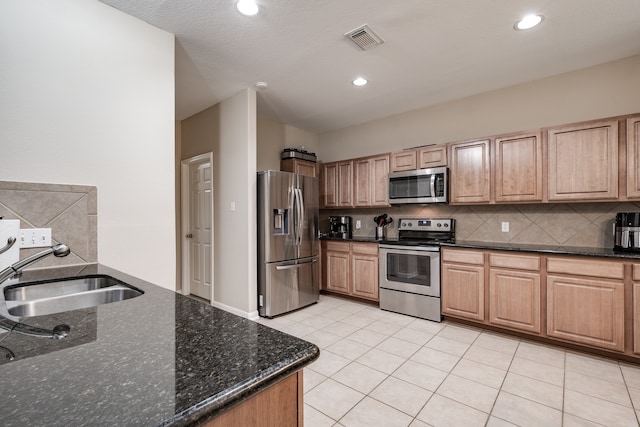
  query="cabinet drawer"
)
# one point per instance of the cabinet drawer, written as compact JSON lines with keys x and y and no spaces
{"x":585,"y":266}
{"x":365,"y":248}
{"x":463,"y":256}
{"x":519,"y":262}
{"x":337,"y":246}
{"x":636,"y":272}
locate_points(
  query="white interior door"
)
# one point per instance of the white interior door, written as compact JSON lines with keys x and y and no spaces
{"x":199,"y":236}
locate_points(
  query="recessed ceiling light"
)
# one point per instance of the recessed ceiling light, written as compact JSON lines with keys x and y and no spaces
{"x":247,"y":7}
{"x":360,"y":81}
{"x":528,"y":22}
{"x":262,"y":85}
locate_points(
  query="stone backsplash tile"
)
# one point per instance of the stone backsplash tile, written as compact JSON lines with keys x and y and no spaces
{"x":568,"y":224}
{"x":69,"y":210}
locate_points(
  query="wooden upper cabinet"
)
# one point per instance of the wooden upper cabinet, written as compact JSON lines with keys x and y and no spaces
{"x":403,"y":161}
{"x":633,"y":157}
{"x":470,"y":172}
{"x":380,"y":180}
{"x":329,"y":185}
{"x":583,"y":161}
{"x":371,"y":181}
{"x":345,"y":184}
{"x":518,"y":168}
{"x":362,"y":182}
{"x":302,"y":167}
{"x":432,"y":157}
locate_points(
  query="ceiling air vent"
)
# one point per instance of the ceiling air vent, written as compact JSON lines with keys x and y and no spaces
{"x":365,"y":37}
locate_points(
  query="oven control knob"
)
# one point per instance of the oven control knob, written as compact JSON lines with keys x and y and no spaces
{"x":446,"y":225}
{"x":439,"y":225}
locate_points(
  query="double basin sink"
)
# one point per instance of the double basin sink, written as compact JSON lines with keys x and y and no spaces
{"x":57,"y":296}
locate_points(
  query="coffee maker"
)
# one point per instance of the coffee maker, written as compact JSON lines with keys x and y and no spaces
{"x":627,"y":229}
{"x":340,"y":227}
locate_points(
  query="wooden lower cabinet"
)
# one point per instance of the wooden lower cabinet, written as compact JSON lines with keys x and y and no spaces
{"x":636,"y":307}
{"x":514,"y":291}
{"x":351,"y":269}
{"x":462,"y":293}
{"x":279,"y":405}
{"x":337,"y":266}
{"x":586,"y":310}
{"x":364,"y":270}
{"x":514,"y":299}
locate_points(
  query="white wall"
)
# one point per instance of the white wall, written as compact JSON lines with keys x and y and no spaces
{"x":87,"y":97}
{"x":274,"y":136}
{"x":235,"y":280}
{"x":605,"y":90}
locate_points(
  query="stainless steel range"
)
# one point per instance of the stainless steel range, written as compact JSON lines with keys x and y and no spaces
{"x":410,"y":267}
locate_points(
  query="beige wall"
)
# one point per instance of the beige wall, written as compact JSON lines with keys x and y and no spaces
{"x":88,"y":99}
{"x":228,"y":129}
{"x":605,"y":90}
{"x":274,"y":136}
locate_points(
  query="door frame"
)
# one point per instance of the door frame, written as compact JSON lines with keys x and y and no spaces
{"x":185,"y":214}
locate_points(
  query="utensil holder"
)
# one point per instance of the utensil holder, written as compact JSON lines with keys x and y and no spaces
{"x":379,"y":233}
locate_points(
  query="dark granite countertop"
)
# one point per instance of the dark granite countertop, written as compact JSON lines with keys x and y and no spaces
{"x":363,"y":239}
{"x":556,"y":250}
{"x":157,"y":359}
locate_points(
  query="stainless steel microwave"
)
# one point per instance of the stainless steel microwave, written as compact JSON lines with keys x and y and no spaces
{"x":419,"y":186}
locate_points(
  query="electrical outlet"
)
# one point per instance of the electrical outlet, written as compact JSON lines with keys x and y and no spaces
{"x":35,"y":237}
{"x":505,"y":227}
{"x":358,"y":224}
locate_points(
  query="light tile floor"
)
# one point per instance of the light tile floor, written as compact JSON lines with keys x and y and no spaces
{"x":378,"y":368}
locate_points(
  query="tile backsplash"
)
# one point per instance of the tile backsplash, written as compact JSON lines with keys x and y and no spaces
{"x":579,"y":224}
{"x":71,"y":211}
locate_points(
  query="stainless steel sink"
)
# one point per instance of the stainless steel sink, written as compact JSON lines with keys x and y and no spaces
{"x":39,"y":299}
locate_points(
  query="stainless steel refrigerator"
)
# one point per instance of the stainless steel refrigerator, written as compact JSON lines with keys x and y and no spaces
{"x":288,"y":275}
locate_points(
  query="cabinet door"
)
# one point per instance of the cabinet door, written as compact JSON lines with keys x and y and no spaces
{"x":633,"y":158}
{"x":345,"y":184}
{"x":337,"y":271}
{"x":636,"y":308}
{"x":365,"y":274}
{"x":302,"y":167}
{"x":518,"y":168}
{"x":586,"y":310}
{"x":470,"y":172}
{"x":636,"y":317}
{"x":330,"y":185}
{"x":463,"y":291}
{"x":514,"y":299}
{"x":362,"y":182}
{"x":403,"y":161}
{"x":380,"y":181}
{"x":583,"y":161}
{"x":432,"y":157}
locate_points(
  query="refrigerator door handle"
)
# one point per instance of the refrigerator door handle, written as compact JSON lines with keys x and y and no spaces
{"x":292,"y":266}
{"x":301,"y":211}
{"x":297,"y":202}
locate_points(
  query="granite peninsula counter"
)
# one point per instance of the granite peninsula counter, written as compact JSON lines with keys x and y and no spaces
{"x":157,"y":359}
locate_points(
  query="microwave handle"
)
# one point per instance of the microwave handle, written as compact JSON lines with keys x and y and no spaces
{"x":433,"y":185}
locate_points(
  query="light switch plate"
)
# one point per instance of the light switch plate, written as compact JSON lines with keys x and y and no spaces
{"x":35,"y":237}
{"x":505,"y":227}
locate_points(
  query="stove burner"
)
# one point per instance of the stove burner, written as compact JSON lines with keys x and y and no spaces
{"x":424,"y":232}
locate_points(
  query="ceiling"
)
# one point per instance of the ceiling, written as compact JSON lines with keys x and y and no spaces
{"x":435,"y":51}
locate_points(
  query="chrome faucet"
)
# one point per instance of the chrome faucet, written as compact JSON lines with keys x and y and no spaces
{"x":58,"y":332}
{"x":10,"y":355}
{"x":60,"y":250}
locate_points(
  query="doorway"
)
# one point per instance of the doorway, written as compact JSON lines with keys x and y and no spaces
{"x":197,"y":226}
